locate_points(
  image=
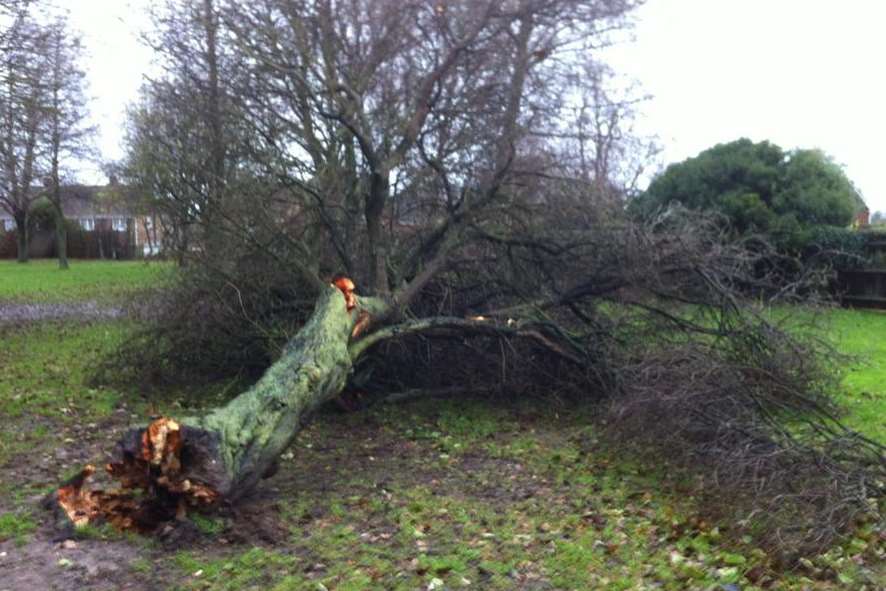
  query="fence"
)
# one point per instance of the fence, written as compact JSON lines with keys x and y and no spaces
{"x":863,"y":288}
{"x":101,"y":243}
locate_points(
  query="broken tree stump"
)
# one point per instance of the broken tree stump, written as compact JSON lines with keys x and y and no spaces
{"x":170,"y":467}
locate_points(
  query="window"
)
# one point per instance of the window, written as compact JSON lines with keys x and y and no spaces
{"x":87,"y":224}
{"x":9,"y":225}
{"x":118,"y":224}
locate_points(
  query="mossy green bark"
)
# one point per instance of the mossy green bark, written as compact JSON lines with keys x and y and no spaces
{"x":257,"y":426}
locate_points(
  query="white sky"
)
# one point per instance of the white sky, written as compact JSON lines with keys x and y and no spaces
{"x":801,"y":73}
{"x":116,"y":63}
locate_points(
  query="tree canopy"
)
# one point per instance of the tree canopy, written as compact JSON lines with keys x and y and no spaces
{"x":760,"y":188}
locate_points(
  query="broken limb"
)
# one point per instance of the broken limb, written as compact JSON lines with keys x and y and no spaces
{"x":545,"y":335}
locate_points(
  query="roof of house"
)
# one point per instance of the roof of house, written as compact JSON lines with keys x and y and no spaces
{"x":92,"y":201}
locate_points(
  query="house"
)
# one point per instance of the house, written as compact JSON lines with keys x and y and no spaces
{"x":862,"y":218}
{"x":861,"y":215}
{"x":104,"y":222}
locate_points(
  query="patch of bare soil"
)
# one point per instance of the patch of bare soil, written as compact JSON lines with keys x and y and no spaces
{"x":44,"y":563}
{"x":11,"y":313}
{"x":53,"y":559}
{"x":70,"y":446}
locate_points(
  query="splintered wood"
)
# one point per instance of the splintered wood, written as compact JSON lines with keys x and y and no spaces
{"x":347,"y":287}
{"x":152,"y":489}
{"x":363,"y":320}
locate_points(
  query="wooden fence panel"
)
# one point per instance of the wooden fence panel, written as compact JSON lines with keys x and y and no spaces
{"x":862,"y":288}
{"x":102,"y":243}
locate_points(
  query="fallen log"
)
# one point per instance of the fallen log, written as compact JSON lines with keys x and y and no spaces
{"x":173,"y":466}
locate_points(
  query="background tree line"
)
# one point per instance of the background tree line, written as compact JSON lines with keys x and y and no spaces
{"x":43,"y":113}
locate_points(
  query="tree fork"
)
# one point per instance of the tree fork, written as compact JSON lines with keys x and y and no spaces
{"x":222,"y":456}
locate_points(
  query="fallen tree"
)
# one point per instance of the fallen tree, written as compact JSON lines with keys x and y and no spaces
{"x":170,"y":465}
{"x":691,"y":370}
{"x":428,"y":152}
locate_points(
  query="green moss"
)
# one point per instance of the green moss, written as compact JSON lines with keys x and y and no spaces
{"x":258,"y":425}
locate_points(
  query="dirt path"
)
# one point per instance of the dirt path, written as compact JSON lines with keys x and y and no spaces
{"x":13,"y":313}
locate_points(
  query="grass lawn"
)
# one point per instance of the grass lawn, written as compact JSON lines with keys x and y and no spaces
{"x":862,"y":334}
{"x":42,"y":281}
{"x":457,"y":494}
{"x":45,"y":371}
{"x":438,"y":494}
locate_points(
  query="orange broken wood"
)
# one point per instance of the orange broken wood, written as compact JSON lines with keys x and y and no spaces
{"x":161,"y":442}
{"x":363,"y":320}
{"x":153,"y":488}
{"x":84,"y":506}
{"x":347,"y":287}
{"x":80,"y":508}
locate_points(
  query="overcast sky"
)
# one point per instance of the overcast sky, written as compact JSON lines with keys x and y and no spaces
{"x":801,"y":73}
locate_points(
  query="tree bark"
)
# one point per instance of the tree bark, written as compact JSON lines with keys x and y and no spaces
{"x":61,"y":232}
{"x":257,"y":426}
{"x":21,"y":227}
{"x":61,"y":239}
{"x":375,"y":206}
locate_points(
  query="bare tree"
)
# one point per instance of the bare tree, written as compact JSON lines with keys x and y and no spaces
{"x":22,"y":113}
{"x":353,"y":111}
{"x":182,"y":130}
{"x":67,"y":133}
{"x":43,"y":112}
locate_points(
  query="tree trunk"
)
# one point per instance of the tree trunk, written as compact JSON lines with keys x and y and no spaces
{"x":378,"y":256}
{"x":257,"y":426}
{"x":21,"y":227}
{"x":61,"y":237}
{"x":221,"y":456}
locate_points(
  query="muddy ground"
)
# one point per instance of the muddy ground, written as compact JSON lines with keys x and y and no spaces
{"x":19,"y":314}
